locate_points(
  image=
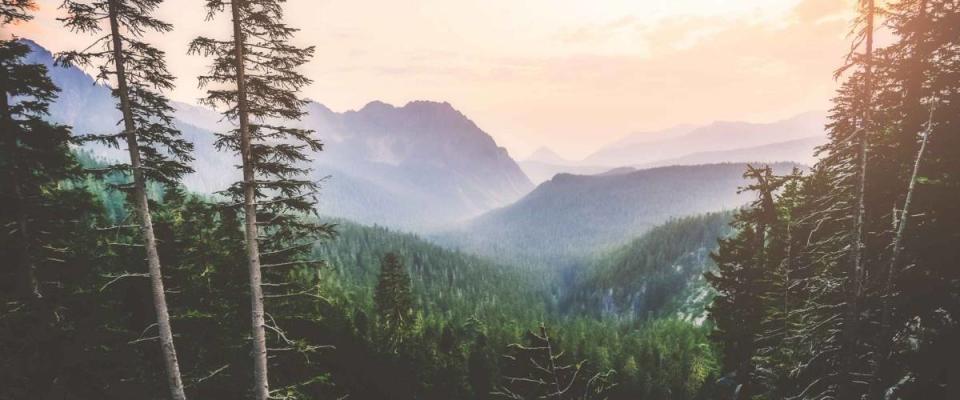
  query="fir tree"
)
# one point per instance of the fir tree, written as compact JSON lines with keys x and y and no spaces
{"x":44,"y":220}
{"x":35,"y":155}
{"x":256,"y":84}
{"x":855,"y":282}
{"x":481,"y":367}
{"x":742,"y":279}
{"x":157,"y":152}
{"x":393,"y":299}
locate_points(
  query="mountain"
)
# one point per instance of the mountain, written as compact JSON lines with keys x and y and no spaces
{"x":539,"y":171}
{"x":419,"y":166}
{"x":547,"y":156}
{"x":572,"y":216}
{"x":717,"y":136}
{"x":800,"y":151}
{"x":793,"y":140}
{"x":88,"y":107}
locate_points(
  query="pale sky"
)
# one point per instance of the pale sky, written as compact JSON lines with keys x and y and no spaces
{"x":569,"y":74}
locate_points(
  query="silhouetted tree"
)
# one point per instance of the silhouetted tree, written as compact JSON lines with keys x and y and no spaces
{"x":157,"y":151}
{"x":257,"y":85}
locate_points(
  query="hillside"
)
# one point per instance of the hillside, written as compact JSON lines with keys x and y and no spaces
{"x":574,"y":215}
{"x":651,"y":275}
{"x":421,"y":165}
{"x":445,"y":282}
{"x":539,"y":171}
{"x":418,"y":166}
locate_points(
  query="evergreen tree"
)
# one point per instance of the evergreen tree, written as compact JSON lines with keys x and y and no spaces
{"x":742,"y":279}
{"x":481,"y":367}
{"x":257,"y":88}
{"x":157,"y":151}
{"x":43,"y":221}
{"x":393,"y":299}
{"x":35,"y":159}
{"x":846,"y":389}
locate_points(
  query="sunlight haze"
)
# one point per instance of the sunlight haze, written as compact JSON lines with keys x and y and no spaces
{"x":570,"y":75}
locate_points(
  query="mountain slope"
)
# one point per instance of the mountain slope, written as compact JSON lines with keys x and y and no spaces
{"x":426,"y":164}
{"x":546,"y":155}
{"x":443,"y":281}
{"x":418,"y":166}
{"x":571,"y":216}
{"x":652,"y":274}
{"x":718,"y":136}
{"x":539,"y":171}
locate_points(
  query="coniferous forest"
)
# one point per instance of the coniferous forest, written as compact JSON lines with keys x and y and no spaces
{"x":838,"y":280}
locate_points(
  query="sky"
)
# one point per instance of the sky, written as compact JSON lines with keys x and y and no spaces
{"x":572,"y":75}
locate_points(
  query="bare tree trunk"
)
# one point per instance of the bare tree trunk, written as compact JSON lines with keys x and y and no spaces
{"x":558,"y":391}
{"x":139,"y":194}
{"x":29,"y":287}
{"x":886,"y":332}
{"x":260,"y":379}
{"x":848,"y":351}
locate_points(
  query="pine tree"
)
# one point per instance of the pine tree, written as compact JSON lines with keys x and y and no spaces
{"x":44,"y":219}
{"x":855,"y":280}
{"x":257,"y":86}
{"x":743,"y":279}
{"x":35,"y":154}
{"x":481,"y":367}
{"x":393,"y":299}
{"x":156,"y":149}
{"x":775,"y":347}
{"x":912,"y":357}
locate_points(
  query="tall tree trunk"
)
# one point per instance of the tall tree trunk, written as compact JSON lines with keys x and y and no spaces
{"x":139,"y":194}
{"x":28,"y":285}
{"x":848,"y":351}
{"x":881,"y":356}
{"x":260,"y":379}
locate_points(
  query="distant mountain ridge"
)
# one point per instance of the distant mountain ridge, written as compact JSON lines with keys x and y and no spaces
{"x":791,"y":140}
{"x":418,"y":166}
{"x":572,"y":216}
{"x":546,"y":155}
{"x":800,"y":150}
{"x":717,"y":136}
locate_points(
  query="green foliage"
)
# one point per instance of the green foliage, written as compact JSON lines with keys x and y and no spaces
{"x":568,"y":219}
{"x":820,"y":297}
{"x":393,"y":301}
{"x":164,"y":154}
{"x":652,"y":275}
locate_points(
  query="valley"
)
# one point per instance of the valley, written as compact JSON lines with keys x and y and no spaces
{"x":479,"y":201}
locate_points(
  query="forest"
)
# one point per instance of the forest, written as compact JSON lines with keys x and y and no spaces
{"x":836,"y":281}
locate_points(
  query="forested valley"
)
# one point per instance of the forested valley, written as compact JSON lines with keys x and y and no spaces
{"x":832,"y":281}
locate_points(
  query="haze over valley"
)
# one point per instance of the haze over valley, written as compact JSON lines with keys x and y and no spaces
{"x":493,"y":200}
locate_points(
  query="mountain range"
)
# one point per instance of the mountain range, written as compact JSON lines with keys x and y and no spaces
{"x":572,"y":216}
{"x":792,"y":139}
{"x":421,"y":165}
{"x":425,"y":166}
{"x":645,"y":148}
